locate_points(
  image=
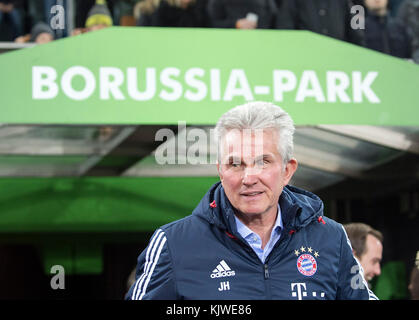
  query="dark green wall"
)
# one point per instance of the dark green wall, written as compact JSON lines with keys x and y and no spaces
{"x":69,"y":219}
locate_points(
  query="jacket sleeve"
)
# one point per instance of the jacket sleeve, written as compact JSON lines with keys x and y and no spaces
{"x":351,"y":282}
{"x":154,"y":274}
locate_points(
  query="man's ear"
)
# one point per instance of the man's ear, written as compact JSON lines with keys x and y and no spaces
{"x":290,"y":169}
{"x":220,"y":174}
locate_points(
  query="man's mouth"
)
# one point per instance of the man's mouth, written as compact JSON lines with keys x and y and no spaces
{"x":251,"y":194}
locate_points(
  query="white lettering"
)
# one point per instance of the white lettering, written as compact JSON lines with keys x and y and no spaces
{"x":309,"y":87}
{"x":79,"y":83}
{"x":358,"y":20}
{"x":57,"y":21}
{"x":360,"y":86}
{"x":150,"y":84}
{"x":167,"y":80}
{"x":110,"y":87}
{"x":44,"y":78}
{"x":284,"y":81}
{"x":199,"y":85}
{"x":337,"y":83}
{"x":89,"y":79}
{"x":299,"y":292}
{"x":58,"y":281}
{"x":164,"y":151}
{"x":237,"y":76}
{"x":199,"y":147}
{"x":215,"y":85}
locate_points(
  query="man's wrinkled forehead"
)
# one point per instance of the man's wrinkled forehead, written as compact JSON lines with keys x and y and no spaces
{"x":240,"y":143}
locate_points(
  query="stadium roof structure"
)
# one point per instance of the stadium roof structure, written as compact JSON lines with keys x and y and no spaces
{"x":91,"y":105}
{"x":88,"y":107}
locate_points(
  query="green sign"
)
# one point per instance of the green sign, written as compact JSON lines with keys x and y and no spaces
{"x":127,"y":75}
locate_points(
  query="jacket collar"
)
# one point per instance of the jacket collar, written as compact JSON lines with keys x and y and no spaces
{"x":298,"y":208}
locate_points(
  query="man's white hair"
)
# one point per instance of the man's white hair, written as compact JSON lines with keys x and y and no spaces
{"x":258,"y":115}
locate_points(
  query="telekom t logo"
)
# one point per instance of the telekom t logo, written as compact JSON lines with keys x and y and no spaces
{"x":302,"y":291}
{"x":299,"y":293}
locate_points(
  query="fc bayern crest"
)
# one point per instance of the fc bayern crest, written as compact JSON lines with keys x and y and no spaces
{"x":307,"y":265}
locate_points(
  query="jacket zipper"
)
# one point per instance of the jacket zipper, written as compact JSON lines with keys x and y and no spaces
{"x":265,"y":267}
{"x":267,"y":282}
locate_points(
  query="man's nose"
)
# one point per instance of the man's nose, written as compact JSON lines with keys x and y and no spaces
{"x":377,"y":270}
{"x":250,"y":175}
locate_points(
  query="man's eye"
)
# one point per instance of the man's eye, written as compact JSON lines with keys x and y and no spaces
{"x":262,"y":163}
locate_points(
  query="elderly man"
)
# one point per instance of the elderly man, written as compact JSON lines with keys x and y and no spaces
{"x":252,"y":236}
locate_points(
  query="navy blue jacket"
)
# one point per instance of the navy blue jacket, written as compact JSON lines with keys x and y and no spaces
{"x":203,"y":257}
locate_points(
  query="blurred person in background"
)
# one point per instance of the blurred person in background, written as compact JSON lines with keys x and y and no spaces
{"x":384,"y":33}
{"x":242,"y":14}
{"x":409,"y":15}
{"x":414,"y":280}
{"x":9,"y":9}
{"x":145,"y":12}
{"x":367,"y":246}
{"x":40,"y":33}
{"x":181,"y":13}
{"x":393,"y":7}
{"x":99,"y":17}
{"x":327,"y":17}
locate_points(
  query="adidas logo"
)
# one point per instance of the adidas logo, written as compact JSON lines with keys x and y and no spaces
{"x":222,"y":270}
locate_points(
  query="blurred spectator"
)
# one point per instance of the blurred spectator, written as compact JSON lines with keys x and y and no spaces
{"x":393,"y":7}
{"x":383,"y":33}
{"x":82,"y":8}
{"x":328,"y":17}
{"x":367,"y":247}
{"x":181,"y":13}
{"x":40,"y":33}
{"x":414,"y":280}
{"x":242,"y":14}
{"x":145,"y":12}
{"x":409,"y":15}
{"x":9,"y":9}
{"x":99,"y":17}
{"x":123,"y":12}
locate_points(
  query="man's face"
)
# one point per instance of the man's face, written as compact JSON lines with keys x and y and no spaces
{"x":185,"y":3}
{"x":371,"y":259}
{"x":44,"y":37}
{"x":376,"y":5}
{"x":251,"y":170}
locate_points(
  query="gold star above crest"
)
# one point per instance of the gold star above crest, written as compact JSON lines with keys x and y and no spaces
{"x":303,"y":249}
{"x":296,"y":252}
{"x":316,"y":254}
{"x":309,"y":249}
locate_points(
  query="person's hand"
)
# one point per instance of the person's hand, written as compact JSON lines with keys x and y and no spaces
{"x":246,"y":24}
{"x":1,"y":6}
{"x":23,"y":39}
{"x":77,"y":31}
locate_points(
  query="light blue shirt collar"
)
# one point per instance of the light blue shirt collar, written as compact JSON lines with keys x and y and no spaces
{"x":254,"y":240}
